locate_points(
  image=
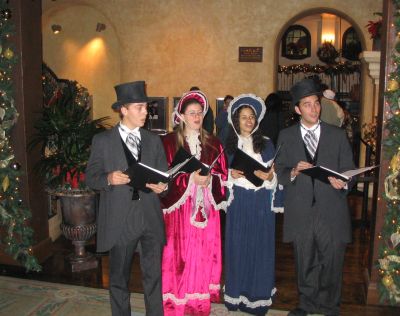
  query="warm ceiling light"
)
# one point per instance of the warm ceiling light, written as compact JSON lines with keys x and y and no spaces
{"x":100,"y":27}
{"x":56,"y":28}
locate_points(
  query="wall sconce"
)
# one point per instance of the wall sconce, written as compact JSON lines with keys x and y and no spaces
{"x":328,"y":38}
{"x":100,"y":27}
{"x":56,"y":28}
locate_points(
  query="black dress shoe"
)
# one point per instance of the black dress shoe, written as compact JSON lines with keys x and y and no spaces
{"x":297,"y":312}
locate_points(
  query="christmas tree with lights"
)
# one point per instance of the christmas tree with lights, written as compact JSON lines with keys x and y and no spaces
{"x":16,"y":235}
{"x":389,"y":251}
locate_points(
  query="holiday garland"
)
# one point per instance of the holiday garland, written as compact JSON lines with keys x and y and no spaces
{"x":16,"y":235}
{"x":389,"y":251}
{"x":339,"y":68}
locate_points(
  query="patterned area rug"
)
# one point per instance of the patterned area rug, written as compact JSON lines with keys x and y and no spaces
{"x":22,"y":297}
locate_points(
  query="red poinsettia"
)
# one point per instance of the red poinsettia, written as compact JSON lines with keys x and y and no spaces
{"x":374,"y":28}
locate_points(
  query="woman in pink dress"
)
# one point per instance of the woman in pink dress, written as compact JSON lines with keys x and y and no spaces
{"x":191,"y":267}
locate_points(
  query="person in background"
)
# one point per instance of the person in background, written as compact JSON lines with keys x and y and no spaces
{"x":192,"y":263}
{"x":126,"y":216}
{"x":273,"y":120}
{"x":250,"y":217}
{"x":328,"y":100}
{"x":221,"y":121}
{"x":208,"y":120}
{"x":317,"y":218}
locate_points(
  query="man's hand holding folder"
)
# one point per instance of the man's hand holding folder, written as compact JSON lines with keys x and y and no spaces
{"x":119,"y":178}
{"x":324,"y":174}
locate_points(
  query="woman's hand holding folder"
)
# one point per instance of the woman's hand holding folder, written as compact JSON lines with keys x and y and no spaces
{"x":200,"y":180}
{"x":266,"y":176}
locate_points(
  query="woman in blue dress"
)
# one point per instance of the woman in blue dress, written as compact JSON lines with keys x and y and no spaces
{"x":250,"y":218}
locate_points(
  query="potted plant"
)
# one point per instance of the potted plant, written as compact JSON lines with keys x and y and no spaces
{"x":64,"y":134}
{"x":327,"y":53}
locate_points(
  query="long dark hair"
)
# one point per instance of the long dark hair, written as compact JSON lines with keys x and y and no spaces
{"x":259,"y":141}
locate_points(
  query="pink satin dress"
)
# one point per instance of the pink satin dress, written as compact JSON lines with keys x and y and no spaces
{"x":192,"y":261}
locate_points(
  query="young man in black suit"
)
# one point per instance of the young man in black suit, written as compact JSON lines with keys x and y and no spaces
{"x":128,"y":216}
{"x":316,"y":219}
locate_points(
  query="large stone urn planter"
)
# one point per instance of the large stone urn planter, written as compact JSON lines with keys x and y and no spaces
{"x":78,"y":210}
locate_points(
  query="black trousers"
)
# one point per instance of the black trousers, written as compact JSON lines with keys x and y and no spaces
{"x":121,"y":256}
{"x":319,"y":257}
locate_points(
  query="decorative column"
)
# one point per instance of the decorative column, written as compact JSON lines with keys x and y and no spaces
{"x":373,"y":59}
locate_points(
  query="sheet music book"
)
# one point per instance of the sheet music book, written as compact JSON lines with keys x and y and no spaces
{"x":194,"y":164}
{"x":243,"y":162}
{"x":322,"y":173}
{"x":140,"y":174}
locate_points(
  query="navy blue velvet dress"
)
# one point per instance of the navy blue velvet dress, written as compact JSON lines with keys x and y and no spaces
{"x":250,"y":244}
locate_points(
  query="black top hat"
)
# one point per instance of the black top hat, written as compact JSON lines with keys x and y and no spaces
{"x":131,"y":92}
{"x":302,"y":89}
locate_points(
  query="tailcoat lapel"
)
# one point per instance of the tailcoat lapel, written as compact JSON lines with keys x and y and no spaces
{"x":119,"y":159}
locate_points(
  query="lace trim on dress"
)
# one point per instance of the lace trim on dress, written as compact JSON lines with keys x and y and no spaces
{"x":193,"y":140}
{"x":182,"y":199}
{"x":249,"y":304}
{"x":231,"y":197}
{"x":223,"y":204}
{"x":200,"y":205}
{"x":276,"y":209}
{"x":190,"y":296}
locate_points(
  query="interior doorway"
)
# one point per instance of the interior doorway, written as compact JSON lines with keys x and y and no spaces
{"x":323,"y":44}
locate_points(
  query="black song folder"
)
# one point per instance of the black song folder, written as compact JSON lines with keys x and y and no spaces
{"x":193,"y":164}
{"x":322,"y":173}
{"x":140,"y":174}
{"x":243,"y":162}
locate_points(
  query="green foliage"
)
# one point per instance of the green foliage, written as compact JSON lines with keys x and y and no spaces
{"x":65,"y":133}
{"x":389,"y":249}
{"x":16,"y":236}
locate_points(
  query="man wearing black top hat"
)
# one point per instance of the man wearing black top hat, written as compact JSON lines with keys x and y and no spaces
{"x":128,"y":216}
{"x":316,"y":219}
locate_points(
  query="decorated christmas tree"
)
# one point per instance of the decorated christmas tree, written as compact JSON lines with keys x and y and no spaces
{"x":389,"y":252}
{"x":16,"y":235}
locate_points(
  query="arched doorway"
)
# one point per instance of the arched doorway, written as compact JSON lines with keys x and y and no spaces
{"x":323,"y":43}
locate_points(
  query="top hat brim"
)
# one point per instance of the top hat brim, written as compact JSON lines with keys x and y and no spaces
{"x":304,"y":88}
{"x":297,"y":100}
{"x":120,"y":103}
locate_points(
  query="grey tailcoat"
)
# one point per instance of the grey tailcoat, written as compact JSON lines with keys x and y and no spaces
{"x":334,"y":152}
{"x":107,"y":155}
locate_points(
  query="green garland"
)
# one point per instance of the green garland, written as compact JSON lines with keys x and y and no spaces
{"x":16,"y":235}
{"x":339,"y":68}
{"x":389,"y":249}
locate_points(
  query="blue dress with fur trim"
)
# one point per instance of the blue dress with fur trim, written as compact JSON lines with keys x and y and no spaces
{"x":250,"y":242}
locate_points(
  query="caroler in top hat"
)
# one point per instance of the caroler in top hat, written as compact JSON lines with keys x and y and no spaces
{"x":191,"y":268}
{"x":128,"y":216}
{"x":317,"y":218}
{"x":250,"y":217}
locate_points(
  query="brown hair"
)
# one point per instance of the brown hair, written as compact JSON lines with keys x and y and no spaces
{"x":180,"y":128}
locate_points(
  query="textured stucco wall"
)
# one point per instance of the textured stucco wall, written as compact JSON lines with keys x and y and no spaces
{"x":175,"y":44}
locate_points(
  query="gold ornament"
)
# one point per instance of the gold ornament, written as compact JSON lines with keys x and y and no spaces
{"x":387,"y":280}
{"x":395,"y":238}
{"x":393,"y":85}
{"x":6,"y":183}
{"x":384,"y":263}
{"x":392,"y":183}
{"x":8,"y":53}
{"x":395,"y":162}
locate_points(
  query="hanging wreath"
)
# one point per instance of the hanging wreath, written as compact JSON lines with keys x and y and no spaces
{"x":327,"y":53}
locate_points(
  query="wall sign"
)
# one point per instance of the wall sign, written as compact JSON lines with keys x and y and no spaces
{"x":251,"y":54}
